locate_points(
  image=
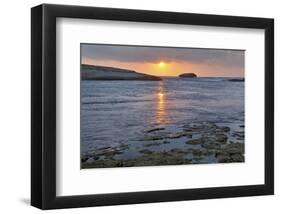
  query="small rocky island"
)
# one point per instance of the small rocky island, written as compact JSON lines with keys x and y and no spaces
{"x":236,"y":80}
{"x":94,"y":72}
{"x":188,"y":75}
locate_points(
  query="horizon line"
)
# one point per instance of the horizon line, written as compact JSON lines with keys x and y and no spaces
{"x":81,"y":64}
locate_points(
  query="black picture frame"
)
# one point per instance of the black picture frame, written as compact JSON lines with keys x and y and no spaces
{"x":43,"y":106}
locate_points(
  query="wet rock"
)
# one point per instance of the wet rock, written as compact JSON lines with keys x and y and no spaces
{"x":188,"y":130}
{"x":177,"y":135}
{"x":204,"y":139}
{"x":221,"y":138}
{"x":150,"y":159}
{"x":199,"y":152}
{"x":224,"y":159}
{"x":124,"y":146}
{"x":154,"y":129}
{"x":195,"y":141}
{"x":231,"y":153}
{"x":90,"y":160}
{"x":234,"y":148}
{"x":163,"y":136}
{"x":109,"y":152}
{"x":237,"y":158}
{"x":225,"y":129}
{"x":239,"y":135}
{"x":104,"y":148}
{"x":152,"y":144}
{"x":179,"y":151}
{"x":211,"y":145}
{"x":84,"y":159}
{"x":153,"y":137}
{"x":197,"y":159}
{"x":146,"y":151}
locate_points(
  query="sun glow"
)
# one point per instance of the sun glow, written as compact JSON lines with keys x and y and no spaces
{"x":160,"y":95}
{"x":161,"y":64}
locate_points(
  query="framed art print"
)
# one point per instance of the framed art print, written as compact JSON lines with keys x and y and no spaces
{"x":133,"y":106}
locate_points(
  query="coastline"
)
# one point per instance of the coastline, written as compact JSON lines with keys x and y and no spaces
{"x":94,"y":72}
{"x":206,"y":142}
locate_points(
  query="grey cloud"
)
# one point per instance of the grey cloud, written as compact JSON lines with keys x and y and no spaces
{"x":234,"y":58}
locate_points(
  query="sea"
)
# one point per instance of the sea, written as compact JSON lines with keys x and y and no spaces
{"x":115,"y":113}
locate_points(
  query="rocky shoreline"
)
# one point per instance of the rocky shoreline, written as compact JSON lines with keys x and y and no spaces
{"x":203,"y":142}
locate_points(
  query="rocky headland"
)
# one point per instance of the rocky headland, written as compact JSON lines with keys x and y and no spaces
{"x":94,"y":72}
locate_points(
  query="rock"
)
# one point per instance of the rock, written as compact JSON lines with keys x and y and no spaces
{"x":224,"y":159}
{"x":146,"y":151}
{"x":222,"y":138}
{"x":231,"y":153}
{"x":179,"y":151}
{"x":199,"y":152}
{"x":225,"y":128}
{"x":104,"y":148}
{"x":237,"y":158}
{"x":153,"y":137}
{"x":154,"y":129}
{"x":148,"y":159}
{"x":236,"y":80}
{"x":234,"y":148}
{"x":166,"y":142}
{"x":94,"y":72}
{"x":123,"y":146}
{"x":109,"y":152}
{"x":84,"y":159}
{"x":176,"y":135}
{"x":152,"y":144}
{"x":197,"y":158}
{"x":195,"y":141}
{"x":211,"y":145}
{"x":90,"y":160}
{"x":239,"y":135}
{"x":188,"y":75}
{"x":162,"y":136}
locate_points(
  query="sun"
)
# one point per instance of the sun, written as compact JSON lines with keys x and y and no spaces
{"x":161,"y":64}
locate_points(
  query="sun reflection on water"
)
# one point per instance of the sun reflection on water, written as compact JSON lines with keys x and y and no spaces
{"x":161,"y":105}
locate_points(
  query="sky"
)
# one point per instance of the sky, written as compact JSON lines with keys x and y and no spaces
{"x":166,"y":61}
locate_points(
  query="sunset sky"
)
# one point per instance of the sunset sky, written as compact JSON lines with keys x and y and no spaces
{"x":163,"y":61}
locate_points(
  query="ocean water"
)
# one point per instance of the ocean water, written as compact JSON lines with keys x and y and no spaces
{"x":115,"y":113}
